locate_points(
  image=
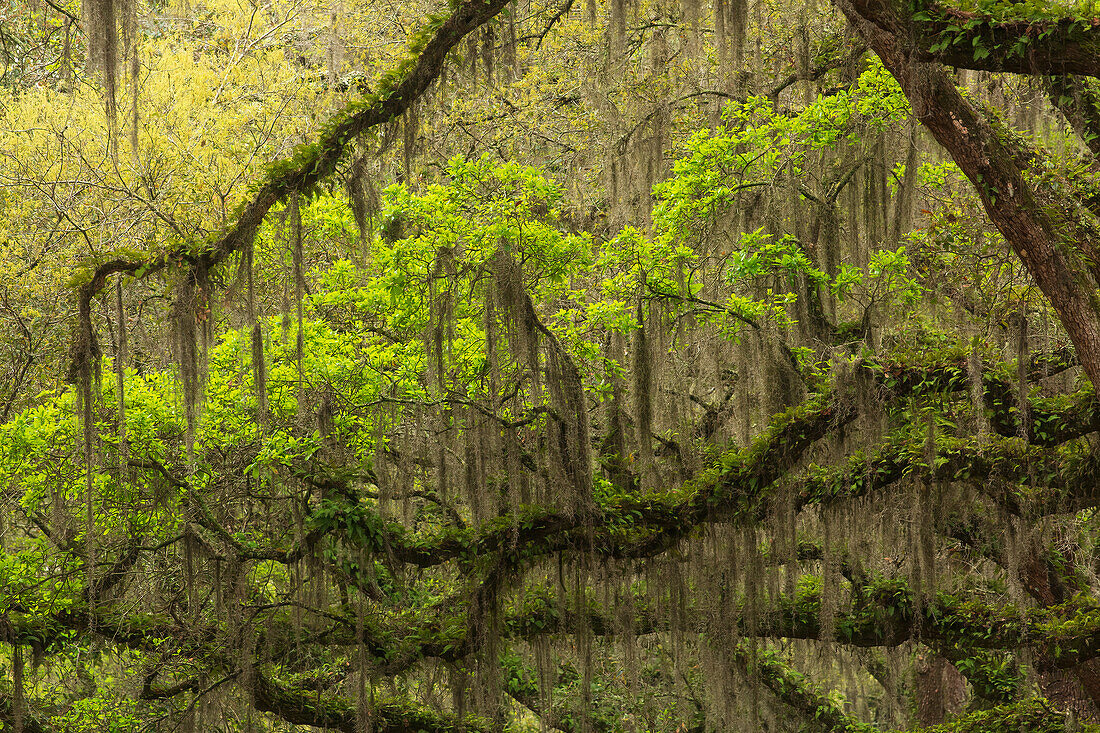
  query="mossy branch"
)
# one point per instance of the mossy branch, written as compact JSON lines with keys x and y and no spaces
{"x":1016,"y":45}
{"x":306,"y":167}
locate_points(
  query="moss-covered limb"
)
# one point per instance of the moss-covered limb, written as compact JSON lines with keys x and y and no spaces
{"x":738,"y":485}
{"x":84,"y":350}
{"x":306,"y":707}
{"x":151,"y":692}
{"x":303,"y":707}
{"x":733,"y":486}
{"x":1034,"y":715}
{"x":1050,"y":363}
{"x":765,"y":666}
{"x":141,"y":632}
{"x":392,"y":650}
{"x":1053,"y":421}
{"x":400,"y":89}
{"x":736,"y":488}
{"x":309,"y":165}
{"x":886,"y":613}
{"x":827,"y":57}
{"x":118,"y":571}
{"x":948,"y":371}
{"x":1056,"y":484}
{"x":942,"y":373}
{"x":207,"y":646}
{"x":1058,"y":420}
{"x":796,"y":690}
{"x":395,"y":645}
{"x":896,"y":458}
{"x":1050,"y":576}
{"x":1025,"y":45}
{"x":882,"y":613}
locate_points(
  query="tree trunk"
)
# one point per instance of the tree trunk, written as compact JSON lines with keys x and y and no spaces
{"x":940,"y":689}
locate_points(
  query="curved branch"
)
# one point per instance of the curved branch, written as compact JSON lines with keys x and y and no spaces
{"x":310,"y":163}
{"x":968,"y":40}
{"x":306,"y":707}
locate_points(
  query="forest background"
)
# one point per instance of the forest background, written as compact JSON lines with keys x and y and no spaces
{"x":648,"y":366}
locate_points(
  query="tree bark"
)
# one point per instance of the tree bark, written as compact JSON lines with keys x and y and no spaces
{"x":940,"y":689}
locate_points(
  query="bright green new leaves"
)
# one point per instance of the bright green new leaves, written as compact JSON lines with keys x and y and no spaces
{"x":762,"y":147}
{"x":760,"y":155}
{"x":443,"y":241}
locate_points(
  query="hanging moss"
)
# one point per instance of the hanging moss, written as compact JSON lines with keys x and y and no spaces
{"x":473,"y":55}
{"x":364,"y":693}
{"x":484,"y":634}
{"x":1023,"y":388}
{"x":440,"y":327}
{"x":111,"y":35}
{"x":567,"y":444}
{"x":907,"y":188}
{"x":927,"y":492}
{"x":737,"y":27}
{"x":511,"y":58}
{"x":720,"y":40}
{"x":87,"y":406}
{"x":100,"y":21}
{"x":659,"y":52}
{"x":356,"y":185}
{"x":614,"y":450}
{"x":486,"y":463}
{"x":121,"y":356}
{"x":643,"y":397}
{"x":617,"y":28}
{"x":730,"y":25}
{"x":244,"y":632}
{"x":977,"y":390}
{"x":188,"y":316}
{"x":1034,"y":715}
{"x":584,"y":641}
{"x":299,"y":294}
{"x":410,"y":132}
{"x":130,"y":50}
{"x":489,"y":51}
{"x":829,"y":577}
{"x":692,"y":21}
{"x":18,"y":703}
{"x":189,"y":547}
{"x":258,"y":361}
